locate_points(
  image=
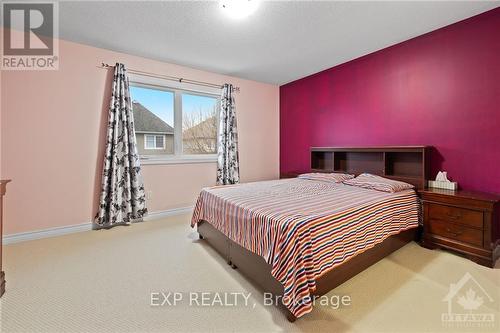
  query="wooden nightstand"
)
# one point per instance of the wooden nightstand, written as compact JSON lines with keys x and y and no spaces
{"x":465,"y":222}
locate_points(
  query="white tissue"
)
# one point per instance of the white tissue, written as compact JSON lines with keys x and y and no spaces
{"x":442,"y":176}
{"x":443,"y":182}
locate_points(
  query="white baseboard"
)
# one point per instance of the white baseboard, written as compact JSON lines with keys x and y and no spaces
{"x":44,"y":233}
{"x":70,"y":229}
{"x":169,"y":212}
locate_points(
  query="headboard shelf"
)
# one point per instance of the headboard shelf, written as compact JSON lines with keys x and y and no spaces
{"x":404,"y":163}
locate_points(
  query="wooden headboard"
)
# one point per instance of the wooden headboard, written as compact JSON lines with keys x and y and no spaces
{"x":409,"y":164}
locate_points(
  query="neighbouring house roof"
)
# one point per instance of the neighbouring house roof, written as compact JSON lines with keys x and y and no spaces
{"x":146,"y":121}
{"x":202,"y":129}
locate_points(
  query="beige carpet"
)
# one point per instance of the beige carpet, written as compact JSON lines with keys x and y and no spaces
{"x":101,"y":281}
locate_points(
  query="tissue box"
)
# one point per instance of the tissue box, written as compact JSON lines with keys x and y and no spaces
{"x":444,"y":185}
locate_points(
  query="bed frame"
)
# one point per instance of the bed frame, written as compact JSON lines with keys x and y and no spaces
{"x":255,"y":268}
{"x":409,"y":164}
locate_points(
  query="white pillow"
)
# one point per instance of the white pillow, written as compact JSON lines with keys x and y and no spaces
{"x":326,"y":177}
{"x":366,"y":180}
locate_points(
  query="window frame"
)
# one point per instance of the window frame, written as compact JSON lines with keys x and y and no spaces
{"x":155,"y":140}
{"x":178,"y":89}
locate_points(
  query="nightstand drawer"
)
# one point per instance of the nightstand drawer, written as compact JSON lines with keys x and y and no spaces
{"x":457,"y":232}
{"x":456,"y":215}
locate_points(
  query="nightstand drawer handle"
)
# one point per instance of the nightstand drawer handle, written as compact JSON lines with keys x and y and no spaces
{"x":454,"y":217}
{"x":453,"y":233}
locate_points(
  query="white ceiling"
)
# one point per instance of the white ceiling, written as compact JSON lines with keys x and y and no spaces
{"x":279,"y":43}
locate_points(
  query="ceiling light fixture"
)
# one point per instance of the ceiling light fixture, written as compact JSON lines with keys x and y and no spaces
{"x":239,"y":9}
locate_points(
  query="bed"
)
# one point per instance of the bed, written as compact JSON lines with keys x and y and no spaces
{"x":300,"y":238}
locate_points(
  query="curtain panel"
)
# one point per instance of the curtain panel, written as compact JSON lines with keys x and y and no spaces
{"x":227,"y":152}
{"x":122,"y":197}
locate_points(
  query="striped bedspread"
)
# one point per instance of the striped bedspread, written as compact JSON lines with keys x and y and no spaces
{"x":304,"y":228}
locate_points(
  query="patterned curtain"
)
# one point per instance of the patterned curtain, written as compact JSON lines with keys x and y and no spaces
{"x":122,"y":192}
{"x":228,"y":170}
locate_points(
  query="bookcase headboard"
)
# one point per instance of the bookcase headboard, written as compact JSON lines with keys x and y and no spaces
{"x":409,"y":164}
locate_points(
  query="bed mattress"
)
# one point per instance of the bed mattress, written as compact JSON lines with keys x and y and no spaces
{"x":304,"y":228}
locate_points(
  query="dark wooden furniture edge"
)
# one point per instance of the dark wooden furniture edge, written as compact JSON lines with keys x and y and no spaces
{"x":371,"y":148}
{"x":474,"y":195}
{"x":2,"y":283}
{"x":3,"y":185}
{"x":256,"y":269}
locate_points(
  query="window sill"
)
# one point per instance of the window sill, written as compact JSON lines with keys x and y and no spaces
{"x":178,"y":160}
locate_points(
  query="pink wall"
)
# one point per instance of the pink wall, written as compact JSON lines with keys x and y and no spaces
{"x":53,"y":125}
{"x":440,"y":89}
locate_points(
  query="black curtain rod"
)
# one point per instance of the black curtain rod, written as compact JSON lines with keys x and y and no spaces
{"x":171,"y":78}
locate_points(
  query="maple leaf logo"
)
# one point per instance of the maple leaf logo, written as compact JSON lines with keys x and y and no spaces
{"x":470,"y":301}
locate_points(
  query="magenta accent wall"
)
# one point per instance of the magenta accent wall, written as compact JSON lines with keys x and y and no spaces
{"x":440,"y":89}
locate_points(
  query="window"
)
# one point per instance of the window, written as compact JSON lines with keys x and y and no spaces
{"x":199,"y":124}
{"x":174,"y":123}
{"x":153,"y":110}
{"x":154,"y":141}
